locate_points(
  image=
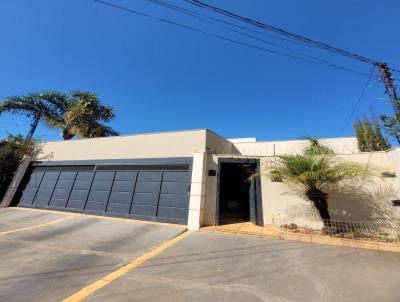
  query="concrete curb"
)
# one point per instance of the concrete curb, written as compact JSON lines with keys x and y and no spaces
{"x":318,"y":239}
{"x":343,"y":242}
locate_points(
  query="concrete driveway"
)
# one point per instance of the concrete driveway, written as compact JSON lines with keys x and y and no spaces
{"x":52,"y":254}
{"x":55,"y":260}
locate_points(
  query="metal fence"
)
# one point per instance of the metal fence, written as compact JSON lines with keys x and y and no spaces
{"x":384,"y":231}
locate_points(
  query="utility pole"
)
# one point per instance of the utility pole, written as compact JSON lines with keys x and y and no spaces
{"x":387,"y":78}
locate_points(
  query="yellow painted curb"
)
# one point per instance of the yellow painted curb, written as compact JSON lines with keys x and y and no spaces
{"x":100,"y":217}
{"x":90,"y":289}
{"x":36,"y":226}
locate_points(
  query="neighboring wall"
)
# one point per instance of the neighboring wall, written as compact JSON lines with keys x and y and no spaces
{"x":152,"y":145}
{"x":368,"y":200}
{"x":340,"y":145}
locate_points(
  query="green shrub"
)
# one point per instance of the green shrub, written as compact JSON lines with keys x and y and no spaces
{"x":13,"y":150}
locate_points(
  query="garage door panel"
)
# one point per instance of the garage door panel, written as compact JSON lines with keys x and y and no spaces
{"x":63,"y":184}
{"x":123,"y":186}
{"x":62,"y":190}
{"x":149,"y":176}
{"x":96,"y":206}
{"x":47,"y":184}
{"x":80,"y":190}
{"x":176,"y":176}
{"x":82,"y":184}
{"x":75,"y":204}
{"x":78,"y":195}
{"x":143,"y":210}
{"x":35,"y":179}
{"x":174,"y":187}
{"x":155,"y":195}
{"x":121,"y":197}
{"x":175,"y":213}
{"x":101,"y":185}
{"x":28,"y":195}
{"x":58,"y":203}
{"x":146,"y":199}
{"x":118,"y":208}
{"x":61,"y":193}
{"x":85,"y":176}
{"x":173,"y":200}
{"x":67,"y":176}
{"x":104,"y":175}
{"x":126,"y":175}
{"x":98,"y":196}
{"x":42,"y":201}
{"x":147,"y":187}
{"x":51,"y":175}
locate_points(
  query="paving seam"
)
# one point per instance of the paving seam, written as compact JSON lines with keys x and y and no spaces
{"x":110,"y":218}
{"x":107,"y":279}
{"x":36,"y":225}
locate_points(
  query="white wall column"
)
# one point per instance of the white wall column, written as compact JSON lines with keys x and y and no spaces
{"x":197,"y":191}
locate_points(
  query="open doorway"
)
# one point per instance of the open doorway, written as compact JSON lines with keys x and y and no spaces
{"x":237,"y":197}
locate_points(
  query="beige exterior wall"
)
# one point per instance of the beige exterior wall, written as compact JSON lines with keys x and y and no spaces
{"x":250,"y":148}
{"x":211,"y":191}
{"x":369,"y":202}
{"x":153,"y":145}
{"x":278,"y":200}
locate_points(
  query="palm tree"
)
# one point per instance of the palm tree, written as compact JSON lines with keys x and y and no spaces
{"x":85,"y":117}
{"x":314,"y":171}
{"x":46,"y":106}
{"x":75,"y":114}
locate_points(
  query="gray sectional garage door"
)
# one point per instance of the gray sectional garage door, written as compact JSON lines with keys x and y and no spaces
{"x":158,"y":193}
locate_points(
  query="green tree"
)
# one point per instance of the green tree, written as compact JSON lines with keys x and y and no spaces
{"x":369,"y":136}
{"x":391,"y":125}
{"x":381,"y":143}
{"x":13,"y":150}
{"x":75,"y":114}
{"x":86,"y":116}
{"x":362,"y":145}
{"x":46,"y":106}
{"x":316,"y":170}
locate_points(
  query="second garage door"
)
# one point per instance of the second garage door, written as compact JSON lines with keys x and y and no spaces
{"x":149,"y":193}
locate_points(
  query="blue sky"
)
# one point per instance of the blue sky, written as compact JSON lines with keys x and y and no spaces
{"x":160,"y":77}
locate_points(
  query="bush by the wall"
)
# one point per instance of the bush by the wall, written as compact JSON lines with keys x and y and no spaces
{"x":13,"y":150}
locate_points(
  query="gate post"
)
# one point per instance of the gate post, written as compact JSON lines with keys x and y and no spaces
{"x":197,"y":191}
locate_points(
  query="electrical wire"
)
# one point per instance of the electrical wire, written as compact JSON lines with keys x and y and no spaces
{"x":227,"y":39}
{"x":259,"y":24}
{"x":206,"y":18}
{"x":357,"y":103}
{"x":182,"y":9}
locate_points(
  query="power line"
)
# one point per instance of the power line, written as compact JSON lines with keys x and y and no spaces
{"x":357,"y":102}
{"x":206,"y":18}
{"x":281,"y":31}
{"x":182,"y":9}
{"x":227,"y":39}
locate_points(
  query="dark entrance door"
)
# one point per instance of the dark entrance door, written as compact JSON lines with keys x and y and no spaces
{"x":237,"y":200}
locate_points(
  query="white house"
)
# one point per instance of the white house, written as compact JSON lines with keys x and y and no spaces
{"x":192,"y":177}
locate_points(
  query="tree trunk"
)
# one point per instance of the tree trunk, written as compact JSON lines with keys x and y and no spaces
{"x":320,"y":201}
{"x":33,"y":126}
{"x":66,"y":134}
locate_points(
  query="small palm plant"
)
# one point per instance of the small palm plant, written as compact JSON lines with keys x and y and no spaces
{"x":316,"y":170}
